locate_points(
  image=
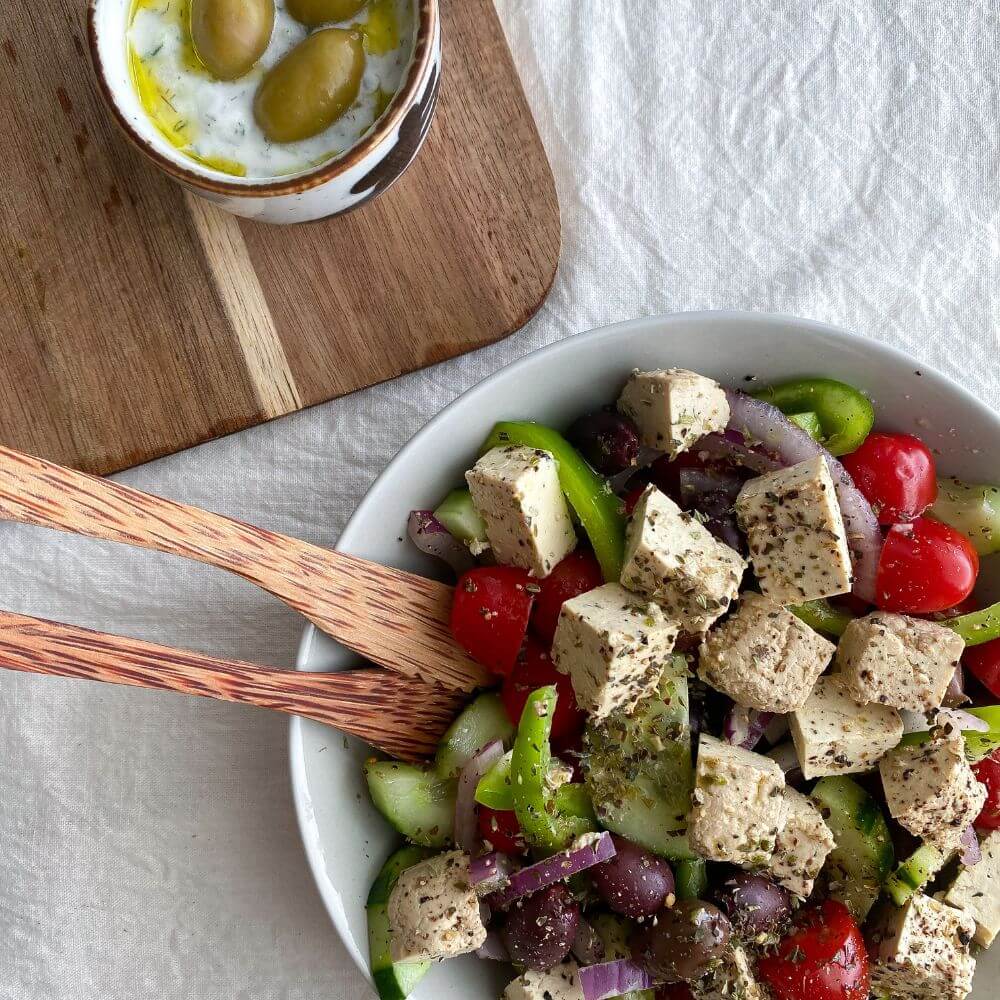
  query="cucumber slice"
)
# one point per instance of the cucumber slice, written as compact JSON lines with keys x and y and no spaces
{"x":914,"y":873}
{"x":416,"y":800}
{"x":459,"y":515}
{"x":614,"y":932}
{"x":973,"y":509}
{"x":809,"y":422}
{"x":483,"y":721}
{"x":690,"y":878}
{"x":863,"y":856}
{"x":393,"y":980}
{"x":638,"y":768}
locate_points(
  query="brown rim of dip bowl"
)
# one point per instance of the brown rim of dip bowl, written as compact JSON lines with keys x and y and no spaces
{"x":428,"y":14}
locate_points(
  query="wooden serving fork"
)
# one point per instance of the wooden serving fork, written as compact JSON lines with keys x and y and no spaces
{"x":404,"y":717}
{"x":395,"y":619}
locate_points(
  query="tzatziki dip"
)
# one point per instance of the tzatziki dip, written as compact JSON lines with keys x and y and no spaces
{"x":306,"y":94}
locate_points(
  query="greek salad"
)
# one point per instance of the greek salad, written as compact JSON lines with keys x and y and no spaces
{"x":742,"y":742}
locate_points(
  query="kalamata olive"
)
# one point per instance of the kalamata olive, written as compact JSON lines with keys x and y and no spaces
{"x":312,"y":86}
{"x":606,"y":439}
{"x":313,"y":13}
{"x":539,"y":931}
{"x":754,"y":904}
{"x":682,"y":942}
{"x":719,"y":516}
{"x":634,"y":882}
{"x":231,"y":35}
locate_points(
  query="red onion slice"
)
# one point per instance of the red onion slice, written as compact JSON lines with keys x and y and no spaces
{"x":587,"y":947}
{"x":970,"y":853}
{"x":955,"y":695}
{"x":744,"y":727}
{"x":612,"y":979}
{"x":645,"y":458}
{"x":694,"y":483}
{"x":466,"y":827}
{"x":763,"y":422}
{"x":597,"y":849}
{"x":493,"y":949}
{"x":490,"y":872}
{"x":432,"y":537}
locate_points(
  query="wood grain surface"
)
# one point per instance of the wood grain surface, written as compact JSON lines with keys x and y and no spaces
{"x":400,"y":716}
{"x":138,"y":320}
{"x":396,"y":619}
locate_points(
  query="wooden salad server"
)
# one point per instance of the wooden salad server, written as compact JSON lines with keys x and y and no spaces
{"x":403,"y":717}
{"x":395,"y":619}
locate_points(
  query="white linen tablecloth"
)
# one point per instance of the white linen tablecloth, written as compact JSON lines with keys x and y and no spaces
{"x":835,"y":160}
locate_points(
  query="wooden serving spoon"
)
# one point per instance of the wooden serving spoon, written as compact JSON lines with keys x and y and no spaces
{"x":404,"y":717}
{"x":396,"y":619}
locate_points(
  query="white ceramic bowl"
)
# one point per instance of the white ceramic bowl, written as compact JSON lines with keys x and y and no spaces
{"x":335,"y":186}
{"x":345,"y":838}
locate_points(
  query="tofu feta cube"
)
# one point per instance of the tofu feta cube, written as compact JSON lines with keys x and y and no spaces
{"x":614,"y":645}
{"x":739,"y":807}
{"x":922,"y":953}
{"x":931,"y":791}
{"x":434,"y":911}
{"x":899,"y":661}
{"x":976,"y":891}
{"x":674,"y":408}
{"x":796,"y":534}
{"x":517,"y":494}
{"x":833,"y":734}
{"x":764,"y":657}
{"x":733,"y":978}
{"x":802,"y":846}
{"x":560,"y":983}
{"x":673,"y":559}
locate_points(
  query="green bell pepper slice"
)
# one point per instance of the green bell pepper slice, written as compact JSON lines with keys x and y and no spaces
{"x":978,"y":626}
{"x":590,"y":496}
{"x":809,"y":422}
{"x":844,"y":414}
{"x":690,"y":878}
{"x":535,"y":803}
{"x":823,"y":617}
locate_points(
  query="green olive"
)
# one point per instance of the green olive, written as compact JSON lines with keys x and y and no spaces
{"x":316,"y":12}
{"x":312,"y":86}
{"x":231,"y":35}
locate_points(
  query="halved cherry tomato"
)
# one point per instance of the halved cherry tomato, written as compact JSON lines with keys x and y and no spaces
{"x":533,"y":670}
{"x":925,"y":566}
{"x":987,"y":772}
{"x":502,"y":830}
{"x":823,"y":958}
{"x":896,"y":474}
{"x":576,"y":574}
{"x":490,"y":612}
{"x":983,"y":662}
{"x":632,"y":498}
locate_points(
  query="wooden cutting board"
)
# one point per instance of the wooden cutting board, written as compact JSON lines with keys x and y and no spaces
{"x":137,"y":320}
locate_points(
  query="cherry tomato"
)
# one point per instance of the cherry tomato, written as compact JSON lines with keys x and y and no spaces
{"x":489,"y":614}
{"x":823,"y":958}
{"x":925,"y":566}
{"x":983,"y":662}
{"x":896,"y":474}
{"x":534,"y":669}
{"x":502,"y":830}
{"x":987,"y":771}
{"x":575,"y":575}
{"x":632,"y":498}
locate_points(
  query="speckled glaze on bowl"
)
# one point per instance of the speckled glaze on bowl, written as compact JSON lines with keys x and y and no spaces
{"x":369,"y":167}
{"x":345,"y":838}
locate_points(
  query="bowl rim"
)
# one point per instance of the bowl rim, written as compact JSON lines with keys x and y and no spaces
{"x":754,"y":322}
{"x":421,"y":62}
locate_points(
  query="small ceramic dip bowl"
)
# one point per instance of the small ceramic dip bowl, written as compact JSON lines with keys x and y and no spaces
{"x":263,"y":107}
